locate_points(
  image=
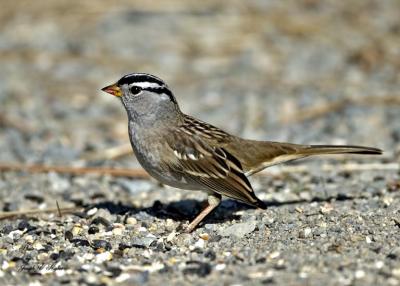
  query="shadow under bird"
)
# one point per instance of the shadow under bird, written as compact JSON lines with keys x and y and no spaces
{"x":183,"y":152}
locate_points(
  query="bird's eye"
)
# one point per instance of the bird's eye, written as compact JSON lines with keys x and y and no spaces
{"x":135,"y":90}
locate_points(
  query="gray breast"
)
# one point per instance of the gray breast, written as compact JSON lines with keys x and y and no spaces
{"x":149,"y":154}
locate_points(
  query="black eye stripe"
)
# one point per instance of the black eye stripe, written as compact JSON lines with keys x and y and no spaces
{"x":161,"y":90}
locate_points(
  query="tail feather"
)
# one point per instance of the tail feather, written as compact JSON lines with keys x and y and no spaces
{"x":339,"y":149}
{"x":263,"y":154}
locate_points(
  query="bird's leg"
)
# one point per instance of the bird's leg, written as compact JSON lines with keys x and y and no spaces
{"x":213,"y":201}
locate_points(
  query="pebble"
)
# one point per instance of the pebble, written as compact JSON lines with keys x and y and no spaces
{"x":359,"y":274}
{"x":379,"y":264}
{"x":171,"y":236}
{"x":326,"y":208}
{"x":29,"y":239}
{"x":98,"y":220}
{"x":396,"y":272}
{"x":305,"y":233}
{"x":131,"y":221}
{"x":93,"y":230}
{"x":198,"y":268}
{"x":88,"y":256}
{"x":24,"y":225}
{"x":199,"y":244}
{"x":204,"y":236}
{"x":99,"y":244}
{"x":148,"y":240}
{"x":37,"y":245}
{"x":238,"y":230}
{"x":274,"y":254}
{"x":122,"y":277}
{"x":42,"y":256}
{"x":92,"y":211}
{"x":76,"y":229}
{"x":118,"y":231}
{"x":15,"y":234}
{"x":102,"y":257}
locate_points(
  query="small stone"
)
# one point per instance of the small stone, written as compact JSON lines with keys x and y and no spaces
{"x":299,"y":210}
{"x":148,"y":240}
{"x":131,"y":221}
{"x":66,"y":254}
{"x":88,"y":256}
{"x":200,"y":243}
{"x":396,"y":272}
{"x":379,"y":264}
{"x":101,"y":220}
{"x":7,"y":265}
{"x":105,"y":256}
{"x":76,"y":229}
{"x":24,"y":225}
{"x":68,"y":235}
{"x":101,"y":244}
{"x":387,"y":201}
{"x":122,"y":277}
{"x":305,"y":233}
{"x":326,"y":208}
{"x":92,"y":211}
{"x":118,"y":231}
{"x":274,"y":255}
{"x":42,"y":256}
{"x":368,"y":239}
{"x":54,"y":256}
{"x":198,"y":268}
{"x":15,"y":234}
{"x":91,"y":279}
{"x":37,"y":245}
{"x":34,"y":198}
{"x":210,"y":254}
{"x":93,"y":230}
{"x":29,"y":239}
{"x":303,"y":275}
{"x":392,"y":281}
{"x":171,"y":236}
{"x":204,"y":236}
{"x":280,"y":264}
{"x":359,"y":274}
{"x":220,"y":267}
{"x":239,"y":230}
{"x":183,"y":239}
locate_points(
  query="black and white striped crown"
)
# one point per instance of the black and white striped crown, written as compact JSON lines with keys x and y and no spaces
{"x":147,"y":82}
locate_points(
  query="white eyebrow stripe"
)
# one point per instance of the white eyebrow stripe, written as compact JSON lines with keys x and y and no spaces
{"x":146,"y":84}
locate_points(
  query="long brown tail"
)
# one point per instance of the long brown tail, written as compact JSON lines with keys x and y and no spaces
{"x":339,"y":149}
{"x":262,"y":154}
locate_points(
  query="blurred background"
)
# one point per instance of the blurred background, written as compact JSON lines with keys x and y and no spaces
{"x":304,"y":71}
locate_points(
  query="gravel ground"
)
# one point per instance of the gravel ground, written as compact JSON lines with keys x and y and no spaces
{"x":300,"y":71}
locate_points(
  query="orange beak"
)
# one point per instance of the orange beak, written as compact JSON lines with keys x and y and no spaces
{"x":113,"y":89}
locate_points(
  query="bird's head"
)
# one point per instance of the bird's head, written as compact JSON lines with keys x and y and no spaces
{"x":145,"y":97}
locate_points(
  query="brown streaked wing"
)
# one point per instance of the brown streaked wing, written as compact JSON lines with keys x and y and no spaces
{"x":210,"y":165}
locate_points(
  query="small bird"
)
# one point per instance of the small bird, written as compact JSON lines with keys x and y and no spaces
{"x":184,"y":152}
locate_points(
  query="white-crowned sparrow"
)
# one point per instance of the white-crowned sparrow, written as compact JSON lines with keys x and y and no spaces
{"x":184,"y":152}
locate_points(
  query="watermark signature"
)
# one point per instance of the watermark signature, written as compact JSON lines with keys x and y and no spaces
{"x":40,"y":267}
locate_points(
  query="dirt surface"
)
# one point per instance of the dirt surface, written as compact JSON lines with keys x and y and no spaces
{"x":298,"y":71}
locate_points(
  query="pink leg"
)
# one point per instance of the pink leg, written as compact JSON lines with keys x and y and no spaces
{"x":213,"y":201}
